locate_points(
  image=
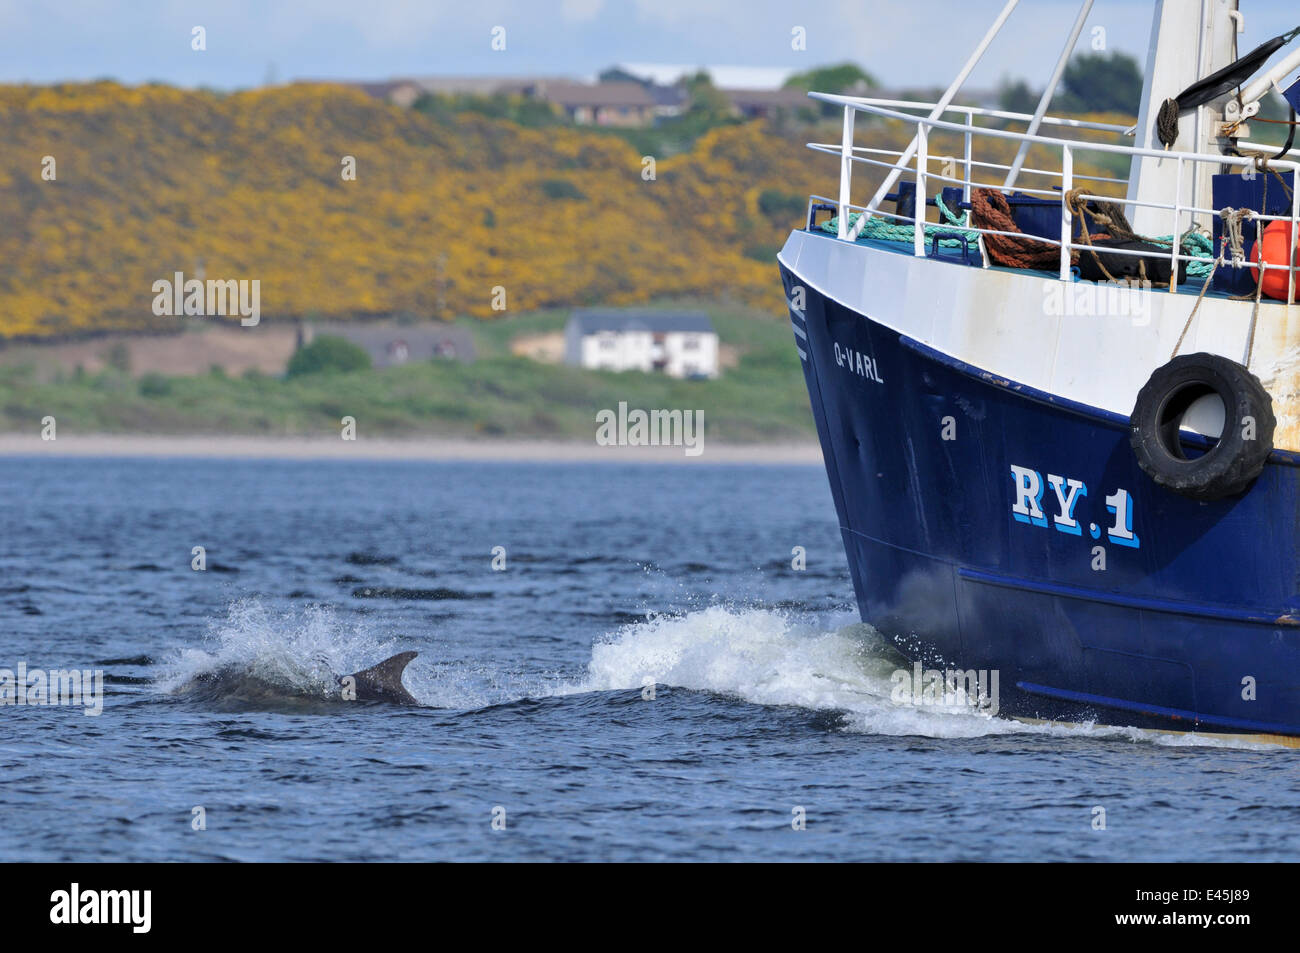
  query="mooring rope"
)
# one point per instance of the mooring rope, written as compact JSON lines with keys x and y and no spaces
{"x":1111,"y":216}
{"x":1232,"y":219}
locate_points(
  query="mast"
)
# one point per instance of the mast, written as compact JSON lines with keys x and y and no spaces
{"x":1190,"y":39}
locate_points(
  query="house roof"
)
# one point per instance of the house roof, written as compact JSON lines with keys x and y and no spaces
{"x":576,"y":95}
{"x":593,"y":321}
{"x":469,"y":85}
{"x":768,"y":98}
{"x":422,"y":340}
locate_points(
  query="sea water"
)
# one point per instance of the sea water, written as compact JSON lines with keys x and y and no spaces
{"x":636,"y":662}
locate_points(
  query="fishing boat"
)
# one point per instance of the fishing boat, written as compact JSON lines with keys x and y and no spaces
{"x":1055,"y":371}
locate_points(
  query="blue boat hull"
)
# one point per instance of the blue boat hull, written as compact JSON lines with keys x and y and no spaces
{"x":990,"y":526}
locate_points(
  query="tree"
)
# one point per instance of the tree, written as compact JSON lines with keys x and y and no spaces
{"x":845,"y":79}
{"x":842,"y":78}
{"x":1016,"y":96}
{"x":327,"y":353}
{"x":616,"y":74}
{"x":707,"y":101}
{"x":1101,"y":82}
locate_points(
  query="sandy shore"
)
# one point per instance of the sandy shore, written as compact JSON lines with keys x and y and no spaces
{"x":421,"y":448}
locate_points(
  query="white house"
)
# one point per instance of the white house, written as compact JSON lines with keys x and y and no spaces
{"x":678,"y":343}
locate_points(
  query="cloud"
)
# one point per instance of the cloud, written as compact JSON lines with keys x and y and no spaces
{"x":581,"y":10}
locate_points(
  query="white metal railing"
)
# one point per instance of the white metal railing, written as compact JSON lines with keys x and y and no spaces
{"x":916,"y":159}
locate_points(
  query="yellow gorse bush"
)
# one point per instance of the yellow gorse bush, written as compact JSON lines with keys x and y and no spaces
{"x":153,"y":180}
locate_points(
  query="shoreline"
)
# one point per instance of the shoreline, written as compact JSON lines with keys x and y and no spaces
{"x":413,"y":448}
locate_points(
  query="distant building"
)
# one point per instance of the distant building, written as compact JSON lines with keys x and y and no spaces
{"x":600,"y":104}
{"x":622,"y":97}
{"x":764,"y":103}
{"x":669,"y":100}
{"x":390,"y":343}
{"x":625,"y":97}
{"x":676,"y":343}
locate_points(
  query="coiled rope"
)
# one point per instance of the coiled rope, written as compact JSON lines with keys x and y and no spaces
{"x":886,"y":230}
{"x":1167,"y":123}
{"x":991,"y":210}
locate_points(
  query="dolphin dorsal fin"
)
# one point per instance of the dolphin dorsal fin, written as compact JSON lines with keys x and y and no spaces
{"x":384,"y":680}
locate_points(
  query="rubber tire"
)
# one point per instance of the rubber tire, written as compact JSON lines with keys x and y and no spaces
{"x":1234,"y":462}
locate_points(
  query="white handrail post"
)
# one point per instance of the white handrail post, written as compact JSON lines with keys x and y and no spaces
{"x":970,"y":124}
{"x":939,"y":109}
{"x":922,"y":165}
{"x":846,"y":170}
{"x":1067,"y":218}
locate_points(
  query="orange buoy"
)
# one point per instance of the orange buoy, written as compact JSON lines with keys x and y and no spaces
{"x":1276,"y":250}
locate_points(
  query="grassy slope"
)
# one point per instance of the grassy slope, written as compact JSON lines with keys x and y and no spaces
{"x":498,"y":395}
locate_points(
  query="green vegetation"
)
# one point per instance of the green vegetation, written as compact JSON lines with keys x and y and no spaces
{"x":1092,"y":83}
{"x":522,"y":110}
{"x":782,"y":205}
{"x":841,"y":78}
{"x":501,"y":395}
{"x":557,"y":189}
{"x":327,"y":353}
{"x":845,"y":78}
{"x":1100,"y":82}
{"x":1017,"y":96}
{"x":1112,"y":83}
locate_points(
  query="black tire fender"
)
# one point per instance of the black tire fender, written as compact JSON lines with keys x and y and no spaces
{"x":1242,"y":449}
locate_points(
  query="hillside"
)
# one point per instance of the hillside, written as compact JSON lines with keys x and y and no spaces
{"x":152,"y":180}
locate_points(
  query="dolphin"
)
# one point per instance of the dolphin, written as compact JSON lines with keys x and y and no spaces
{"x":381,"y":682}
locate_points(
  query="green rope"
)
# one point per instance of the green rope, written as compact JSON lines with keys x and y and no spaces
{"x":1193,"y":243}
{"x":885,"y":230}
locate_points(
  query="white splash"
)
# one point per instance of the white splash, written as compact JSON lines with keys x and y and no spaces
{"x":774,"y":658}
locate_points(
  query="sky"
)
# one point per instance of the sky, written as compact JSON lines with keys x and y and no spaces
{"x":252,"y":42}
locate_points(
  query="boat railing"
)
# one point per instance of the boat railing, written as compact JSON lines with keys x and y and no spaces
{"x":964,"y":172}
